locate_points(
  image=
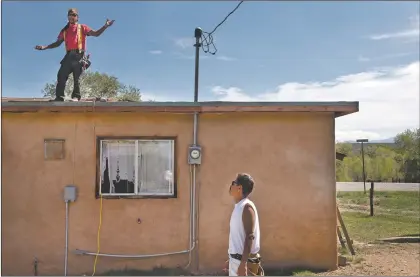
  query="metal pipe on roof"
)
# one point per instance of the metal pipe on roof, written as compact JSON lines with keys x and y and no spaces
{"x":197,"y":34}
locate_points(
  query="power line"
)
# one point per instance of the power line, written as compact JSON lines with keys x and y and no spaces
{"x":207,"y":38}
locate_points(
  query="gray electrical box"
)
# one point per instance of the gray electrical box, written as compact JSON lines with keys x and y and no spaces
{"x":194,"y":154}
{"x":70,"y":193}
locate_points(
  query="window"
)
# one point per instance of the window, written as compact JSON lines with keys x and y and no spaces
{"x":137,"y":167}
{"x":54,"y":149}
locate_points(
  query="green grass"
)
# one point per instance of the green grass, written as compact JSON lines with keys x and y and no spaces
{"x":364,"y":228}
{"x":303,"y":273}
{"x":396,"y":213}
{"x":395,"y":202}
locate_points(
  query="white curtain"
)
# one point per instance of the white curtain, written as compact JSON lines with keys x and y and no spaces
{"x":121,"y":156}
{"x":156,"y":167}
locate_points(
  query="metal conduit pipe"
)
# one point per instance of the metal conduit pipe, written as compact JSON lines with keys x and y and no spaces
{"x":82,"y":252}
{"x":70,"y":195}
{"x":67,"y":239}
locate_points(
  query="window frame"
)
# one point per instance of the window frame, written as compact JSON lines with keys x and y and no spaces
{"x":99,"y":139}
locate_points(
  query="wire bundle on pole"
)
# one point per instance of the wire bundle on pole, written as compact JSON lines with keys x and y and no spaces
{"x":207,"y":38}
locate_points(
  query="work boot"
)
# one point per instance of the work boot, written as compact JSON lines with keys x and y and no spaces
{"x":58,"y":98}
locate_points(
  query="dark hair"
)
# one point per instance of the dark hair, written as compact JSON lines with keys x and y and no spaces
{"x":246,"y":182}
{"x":72,"y":10}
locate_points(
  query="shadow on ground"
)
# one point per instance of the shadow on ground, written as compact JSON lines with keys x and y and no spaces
{"x":182,"y":272}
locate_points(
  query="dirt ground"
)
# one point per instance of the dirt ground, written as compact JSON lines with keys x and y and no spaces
{"x":397,"y":259}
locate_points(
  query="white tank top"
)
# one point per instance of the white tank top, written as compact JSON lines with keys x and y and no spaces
{"x":237,"y":230}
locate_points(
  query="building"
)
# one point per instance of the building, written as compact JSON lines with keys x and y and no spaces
{"x":136,"y":154}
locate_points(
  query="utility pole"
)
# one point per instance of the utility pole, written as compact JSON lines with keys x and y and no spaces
{"x":197,"y":34}
{"x":363,"y":162}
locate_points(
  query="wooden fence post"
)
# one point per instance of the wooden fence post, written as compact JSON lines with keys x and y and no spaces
{"x":371,"y":198}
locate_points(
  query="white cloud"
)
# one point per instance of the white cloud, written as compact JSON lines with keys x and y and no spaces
{"x":155,"y":52}
{"x":189,"y":57}
{"x":363,"y":59}
{"x":384,"y":57}
{"x":412,"y":33}
{"x":225,"y":58}
{"x":203,"y":56}
{"x":388,"y":100}
{"x":147,"y":96}
{"x":185,"y":42}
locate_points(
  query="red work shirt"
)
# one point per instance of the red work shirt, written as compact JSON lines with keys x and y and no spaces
{"x":71,"y":36}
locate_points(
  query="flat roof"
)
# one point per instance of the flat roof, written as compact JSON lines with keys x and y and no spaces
{"x":33,"y":105}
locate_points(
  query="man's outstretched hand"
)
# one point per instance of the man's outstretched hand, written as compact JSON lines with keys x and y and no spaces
{"x":39,"y":47}
{"x":109,"y":22}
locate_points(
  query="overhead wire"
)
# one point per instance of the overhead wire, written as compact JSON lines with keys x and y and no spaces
{"x":207,"y":37}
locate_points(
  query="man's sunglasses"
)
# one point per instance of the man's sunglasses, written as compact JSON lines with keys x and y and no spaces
{"x":234,"y":183}
{"x":72,"y":14}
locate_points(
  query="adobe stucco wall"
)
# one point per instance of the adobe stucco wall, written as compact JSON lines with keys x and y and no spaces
{"x":291,"y":156}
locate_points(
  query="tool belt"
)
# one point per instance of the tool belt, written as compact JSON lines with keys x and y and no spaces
{"x":84,"y":60}
{"x":253,"y":264}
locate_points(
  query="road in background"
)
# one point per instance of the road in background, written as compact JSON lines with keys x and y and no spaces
{"x":358,"y":186}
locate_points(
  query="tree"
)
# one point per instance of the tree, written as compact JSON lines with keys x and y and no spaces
{"x":100,"y":85}
{"x":344,"y":148}
{"x":408,"y":146}
{"x":383,"y":163}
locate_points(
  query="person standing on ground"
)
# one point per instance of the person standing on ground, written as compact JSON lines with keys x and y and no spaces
{"x":74,"y":35}
{"x":244,"y":236}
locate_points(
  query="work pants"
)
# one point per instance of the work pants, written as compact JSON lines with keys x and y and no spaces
{"x":69,"y":64}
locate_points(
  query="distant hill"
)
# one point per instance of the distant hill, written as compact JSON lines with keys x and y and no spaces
{"x":386,"y":141}
{"x":357,"y":147}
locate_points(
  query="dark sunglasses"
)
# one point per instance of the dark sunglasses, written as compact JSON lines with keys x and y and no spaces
{"x":234,"y":183}
{"x":72,"y":14}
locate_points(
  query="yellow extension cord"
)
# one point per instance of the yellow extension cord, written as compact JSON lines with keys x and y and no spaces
{"x":98,"y":236}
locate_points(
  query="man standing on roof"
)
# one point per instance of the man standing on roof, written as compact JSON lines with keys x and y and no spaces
{"x":244,"y":235}
{"x":74,"y":36}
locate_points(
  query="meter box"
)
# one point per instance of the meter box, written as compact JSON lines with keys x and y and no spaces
{"x":194,"y":154}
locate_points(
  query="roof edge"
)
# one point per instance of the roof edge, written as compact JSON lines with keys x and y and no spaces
{"x":339,"y":108}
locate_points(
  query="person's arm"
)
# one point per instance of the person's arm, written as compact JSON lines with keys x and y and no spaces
{"x":248,"y":219}
{"x":97,"y":33}
{"x":55,"y":44}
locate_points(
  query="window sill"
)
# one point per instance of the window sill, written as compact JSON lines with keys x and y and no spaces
{"x":136,"y":196}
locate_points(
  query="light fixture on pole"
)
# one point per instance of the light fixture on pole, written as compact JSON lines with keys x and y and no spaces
{"x":363,"y":162}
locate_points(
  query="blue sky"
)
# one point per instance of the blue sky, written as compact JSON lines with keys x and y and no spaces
{"x":270,"y":51}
